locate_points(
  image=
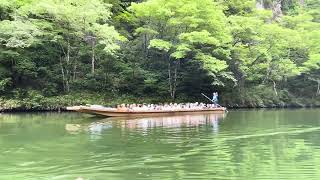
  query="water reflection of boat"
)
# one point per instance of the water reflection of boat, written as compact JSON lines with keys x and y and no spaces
{"x":174,"y":121}
{"x":98,"y":127}
{"x":112,"y":112}
{"x":170,"y":121}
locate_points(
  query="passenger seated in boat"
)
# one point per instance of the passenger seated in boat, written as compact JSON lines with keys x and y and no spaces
{"x":158,"y":107}
{"x":129,"y":106}
{"x":196,"y":106}
{"x":135,"y":108}
{"x":144,"y":107}
{"x":187,"y":105}
{"x":122,"y":108}
{"x":165,"y":107}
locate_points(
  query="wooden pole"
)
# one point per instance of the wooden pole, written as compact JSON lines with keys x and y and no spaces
{"x":207,"y":97}
{"x":211,"y":100}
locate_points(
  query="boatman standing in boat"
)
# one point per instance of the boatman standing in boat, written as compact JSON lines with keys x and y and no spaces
{"x":215,"y":99}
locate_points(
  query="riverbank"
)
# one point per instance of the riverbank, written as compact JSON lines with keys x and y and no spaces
{"x":37,"y":102}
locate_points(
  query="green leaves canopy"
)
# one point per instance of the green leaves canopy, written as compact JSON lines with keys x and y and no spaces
{"x":185,"y":30}
{"x":18,"y":34}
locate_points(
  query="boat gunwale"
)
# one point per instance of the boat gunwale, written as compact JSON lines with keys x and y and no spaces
{"x":219,"y":109}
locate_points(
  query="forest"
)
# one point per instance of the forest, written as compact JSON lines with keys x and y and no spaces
{"x":255,"y":53}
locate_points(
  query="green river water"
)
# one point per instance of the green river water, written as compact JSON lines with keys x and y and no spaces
{"x":244,"y":144}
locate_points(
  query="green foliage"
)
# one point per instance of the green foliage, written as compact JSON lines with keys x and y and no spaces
{"x":185,"y":31}
{"x":67,"y":52}
{"x":18,"y":34}
{"x":4,"y":83}
{"x":160,"y":44}
{"x":239,"y":7}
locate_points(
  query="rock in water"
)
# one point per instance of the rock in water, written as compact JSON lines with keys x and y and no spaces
{"x":73,"y":127}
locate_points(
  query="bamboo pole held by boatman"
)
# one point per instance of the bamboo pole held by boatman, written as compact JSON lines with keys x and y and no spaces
{"x":207,"y":97}
{"x":211,"y":100}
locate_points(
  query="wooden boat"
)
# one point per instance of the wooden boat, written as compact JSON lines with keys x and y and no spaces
{"x":112,"y":112}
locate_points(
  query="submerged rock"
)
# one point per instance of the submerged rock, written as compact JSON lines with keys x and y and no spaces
{"x":73,"y":127}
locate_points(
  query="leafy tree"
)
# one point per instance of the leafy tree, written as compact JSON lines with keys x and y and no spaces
{"x":185,"y":30}
{"x":257,"y":53}
{"x":73,"y":22}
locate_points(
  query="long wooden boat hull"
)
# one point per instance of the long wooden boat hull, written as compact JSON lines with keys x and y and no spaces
{"x":114,"y":113}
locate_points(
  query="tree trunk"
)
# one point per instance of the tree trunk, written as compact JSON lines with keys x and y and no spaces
{"x":275,"y":88}
{"x":175,"y":80}
{"x":67,"y":67}
{"x":145,"y":47}
{"x":170,"y":78}
{"x":93,"y":58}
{"x":241,"y":88}
{"x":67,"y":73}
{"x":260,"y":4}
{"x":318,"y":88}
{"x":63,"y":75}
{"x":276,"y":10}
{"x":67,"y":86}
{"x":74,"y":71}
{"x":68,"y":52}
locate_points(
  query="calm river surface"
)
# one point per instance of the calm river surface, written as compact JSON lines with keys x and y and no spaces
{"x":270,"y":144}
